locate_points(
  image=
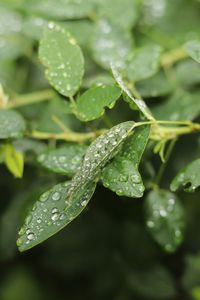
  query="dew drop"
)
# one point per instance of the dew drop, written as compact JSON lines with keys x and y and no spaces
{"x":56,"y":196}
{"x":30,"y":236}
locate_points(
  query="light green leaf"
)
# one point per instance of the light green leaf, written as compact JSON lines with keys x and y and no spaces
{"x":193,"y":49}
{"x":141,"y":105}
{"x":122,"y":175}
{"x":52,"y":212}
{"x":14,"y":160}
{"x":165,"y":219}
{"x":63,"y":203}
{"x":188,"y":107}
{"x":12,"y":124}
{"x":110,"y":43}
{"x":91,"y":104}
{"x":33,"y":27}
{"x":123,"y":13}
{"x":60,"y":9}
{"x":144,"y":62}
{"x":155,"y":86}
{"x":63,"y":59}
{"x":65,"y":160}
{"x":188,"y":177}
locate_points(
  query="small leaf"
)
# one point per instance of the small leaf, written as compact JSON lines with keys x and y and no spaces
{"x":165,"y":219}
{"x":51,"y":213}
{"x":110,"y":43}
{"x":188,"y":107}
{"x":141,"y":105}
{"x":193,"y":49}
{"x":12,"y":124}
{"x":65,"y":160}
{"x":123,"y":13}
{"x":63,"y":203}
{"x":122,"y":175}
{"x":63,"y":59}
{"x":188,"y":177}
{"x":91,"y":104}
{"x":14,"y":160}
{"x":155,"y":86}
{"x":143,"y":63}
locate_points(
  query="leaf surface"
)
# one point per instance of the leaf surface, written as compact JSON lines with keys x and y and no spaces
{"x":193,"y":49}
{"x":12,"y":124}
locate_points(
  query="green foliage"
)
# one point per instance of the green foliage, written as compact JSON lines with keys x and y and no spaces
{"x":99,"y":99}
{"x":188,"y":177}
{"x":165,"y":219}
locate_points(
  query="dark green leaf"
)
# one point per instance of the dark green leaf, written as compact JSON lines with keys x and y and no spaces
{"x":63,"y":59}
{"x":110,"y":43}
{"x":193,"y":49}
{"x":165,"y":219}
{"x":12,"y":124}
{"x":65,"y":160}
{"x":122,"y":175}
{"x":188,"y":177}
{"x":91,"y":104}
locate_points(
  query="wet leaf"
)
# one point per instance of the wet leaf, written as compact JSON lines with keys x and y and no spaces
{"x":65,"y":160}
{"x":144,"y":62}
{"x":122,"y":175}
{"x":165,"y":219}
{"x":110,"y":43}
{"x":12,"y":124}
{"x":63,"y":59}
{"x":188,"y":177}
{"x":91,"y":105}
{"x":140,"y":104}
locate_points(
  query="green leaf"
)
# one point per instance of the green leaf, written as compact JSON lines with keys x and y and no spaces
{"x":33,"y":27}
{"x":14,"y":160}
{"x":64,"y":202}
{"x":193,"y":49}
{"x":12,"y":124}
{"x":188,"y":177}
{"x":165,"y":219}
{"x":123,"y":13}
{"x":91,"y":104}
{"x":141,"y":105}
{"x":51,"y":213}
{"x":63,"y":59}
{"x":143,"y":62}
{"x":188,"y":107}
{"x":122,"y":175}
{"x":61,"y":9}
{"x":65,"y":160}
{"x":110,"y":43}
{"x":187,"y":72}
{"x":157,"y":85}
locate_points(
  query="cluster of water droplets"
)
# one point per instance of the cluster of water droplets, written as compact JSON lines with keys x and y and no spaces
{"x":65,"y":160}
{"x":165,"y":221}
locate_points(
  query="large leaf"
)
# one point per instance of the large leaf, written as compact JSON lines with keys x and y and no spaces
{"x":91,"y":104}
{"x":12,"y":124}
{"x":165,"y":219}
{"x":188,"y":177}
{"x":110,"y":43}
{"x":60,"y":9}
{"x":51,"y":213}
{"x":123,"y":13}
{"x":143,"y":62}
{"x":65,"y":160}
{"x":63,"y":203}
{"x":63,"y":59}
{"x":140,"y":104}
{"x":193,"y":49}
{"x":122,"y":175}
{"x":188,"y":107}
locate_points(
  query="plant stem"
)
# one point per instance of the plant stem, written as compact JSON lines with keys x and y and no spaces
{"x":31,"y":98}
{"x":171,"y":57}
{"x":164,"y":164}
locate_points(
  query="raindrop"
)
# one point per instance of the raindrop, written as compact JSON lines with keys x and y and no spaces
{"x":30,"y":236}
{"x":56,"y":196}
